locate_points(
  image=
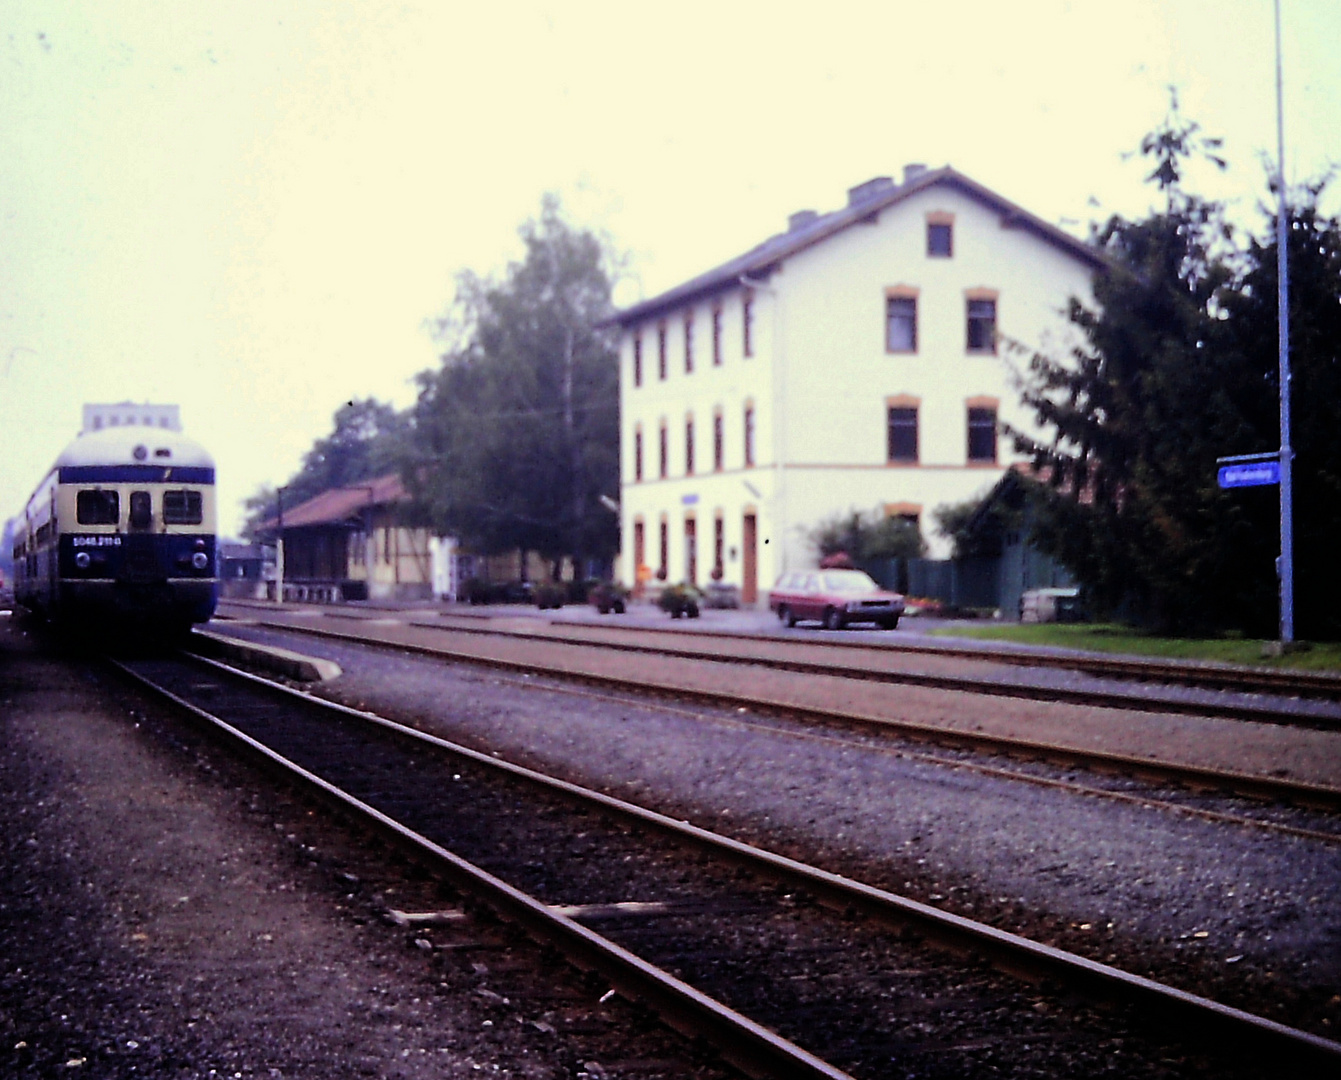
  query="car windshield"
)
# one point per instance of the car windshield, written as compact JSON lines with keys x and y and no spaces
{"x":848,"y":581}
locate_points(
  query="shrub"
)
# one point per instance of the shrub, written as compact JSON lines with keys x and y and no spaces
{"x":868,"y":536}
{"x":579,"y":591}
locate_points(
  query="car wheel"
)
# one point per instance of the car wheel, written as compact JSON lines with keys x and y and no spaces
{"x":693,"y":611}
{"x":890,"y":624}
{"x":619,"y":607}
{"x":833,"y":619}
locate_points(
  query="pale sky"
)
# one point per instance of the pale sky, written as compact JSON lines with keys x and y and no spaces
{"x":252,"y":209}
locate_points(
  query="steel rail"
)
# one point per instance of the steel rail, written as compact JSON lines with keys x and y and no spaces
{"x":1206,"y":1019}
{"x":741,"y":1041}
{"x":1263,"y":713}
{"x":1313,"y":796}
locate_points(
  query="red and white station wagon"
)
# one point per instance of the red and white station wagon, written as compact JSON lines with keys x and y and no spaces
{"x":834,"y":597}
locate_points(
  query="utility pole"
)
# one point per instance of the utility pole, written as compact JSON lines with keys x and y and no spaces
{"x":1286,"y":564}
{"x":279,"y":549}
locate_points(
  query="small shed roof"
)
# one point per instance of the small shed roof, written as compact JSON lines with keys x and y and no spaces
{"x":342,"y":505}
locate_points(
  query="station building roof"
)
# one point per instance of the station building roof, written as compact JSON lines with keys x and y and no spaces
{"x":342,"y":506}
{"x":808,"y":228}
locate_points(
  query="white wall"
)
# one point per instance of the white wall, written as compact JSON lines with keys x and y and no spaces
{"x":738,"y":381}
{"x":838,"y":375}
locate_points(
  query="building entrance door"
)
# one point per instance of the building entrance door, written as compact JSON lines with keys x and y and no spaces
{"x":639,"y":557}
{"x":749,"y":586}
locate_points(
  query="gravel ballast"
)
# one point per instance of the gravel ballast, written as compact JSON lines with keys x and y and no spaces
{"x":163,"y":913}
{"x":1250,"y":917}
{"x":1256,"y":749}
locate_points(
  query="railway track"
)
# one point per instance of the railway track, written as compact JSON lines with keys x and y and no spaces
{"x":863,"y":660}
{"x":1141,"y":795}
{"x":677,"y":917}
{"x":1206,"y":674}
{"x":1188,"y":799}
{"x":873,"y":670}
{"x":728,"y":692}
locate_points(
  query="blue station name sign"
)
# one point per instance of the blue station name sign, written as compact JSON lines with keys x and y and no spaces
{"x":1249,"y":474}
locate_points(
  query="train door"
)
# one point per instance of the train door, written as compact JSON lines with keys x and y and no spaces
{"x":139,"y":563}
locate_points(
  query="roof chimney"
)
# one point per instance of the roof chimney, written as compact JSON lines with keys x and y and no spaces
{"x":869,"y":190}
{"x":801,"y":219}
{"x":913,"y":171}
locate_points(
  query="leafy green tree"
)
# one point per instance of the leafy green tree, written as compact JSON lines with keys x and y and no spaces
{"x":369,"y":439}
{"x":519,"y":427}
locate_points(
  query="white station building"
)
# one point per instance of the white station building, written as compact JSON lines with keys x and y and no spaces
{"x":853,"y":362}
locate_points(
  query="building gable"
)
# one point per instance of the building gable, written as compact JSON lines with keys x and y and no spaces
{"x":866,"y":202}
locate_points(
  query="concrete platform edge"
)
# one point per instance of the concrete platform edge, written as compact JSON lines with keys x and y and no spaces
{"x":281,"y":661}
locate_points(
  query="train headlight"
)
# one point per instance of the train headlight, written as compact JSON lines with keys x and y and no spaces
{"x":200,"y":560}
{"x":82,"y":560}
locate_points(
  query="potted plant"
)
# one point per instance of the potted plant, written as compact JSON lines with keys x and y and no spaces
{"x":720,"y":594}
{"x":608,"y":596}
{"x":679,"y":600}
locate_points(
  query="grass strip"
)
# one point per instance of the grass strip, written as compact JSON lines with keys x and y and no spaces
{"x":1113,"y":638}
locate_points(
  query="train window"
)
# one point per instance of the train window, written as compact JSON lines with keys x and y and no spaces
{"x":182,"y":508}
{"x":141,"y":510}
{"x":97,"y":508}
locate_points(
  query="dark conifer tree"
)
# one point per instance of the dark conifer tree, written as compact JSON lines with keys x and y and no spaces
{"x":1176,"y":367}
{"x":1133,"y":425}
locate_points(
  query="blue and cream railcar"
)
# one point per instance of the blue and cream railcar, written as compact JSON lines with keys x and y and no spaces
{"x":122,"y":529}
